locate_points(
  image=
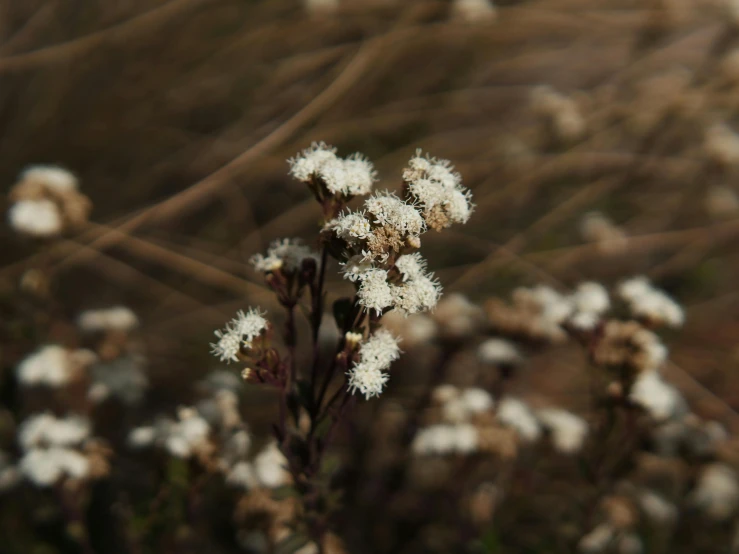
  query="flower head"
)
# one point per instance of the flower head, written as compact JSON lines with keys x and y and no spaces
{"x":375,"y":356}
{"x":375,"y":293}
{"x":240,"y":331}
{"x":348,"y":177}
{"x":367,"y":378}
{"x":36,"y":218}
{"x":286,"y":255}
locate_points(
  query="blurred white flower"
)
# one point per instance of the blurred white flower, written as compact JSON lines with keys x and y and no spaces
{"x":36,"y":218}
{"x":474,"y":11}
{"x":270,"y":467}
{"x":717,"y":492}
{"x":117,"y":318}
{"x":47,"y":430}
{"x":497,"y":351}
{"x":50,"y":365}
{"x":46,"y":466}
{"x":568,"y":431}
{"x":661,"y":400}
{"x":515,"y":414}
{"x":647,"y":302}
{"x":283,"y":254}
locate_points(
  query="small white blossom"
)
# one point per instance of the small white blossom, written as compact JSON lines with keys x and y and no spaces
{"x":591,"y":297}
{"x":241,"y":330}
{"x":445,"y":393}
{"x":438,"y":189}
{"x":54,"y":177}
{"x":36,"y":218}
{"x":44,"y":467}
{"x":140,"y":437}
{"x":368,"y":379}
{"x":270,"y":467}
{"x":283,"y":254}
{"x":419,"y":294}
{"x":597,"y":540}
{"x":647,"y":302}
{"x":717,"y":492}
{"x":355,"y":268}
{"x":375,"y":293}
{"x":117,"y":318}
{"x":446,"y":439}
{"x":661,"y":400}
{"x":391,"y":211}
{"x":47,"y":430}
{"x":242,"y":475}
{"x":351,"y":227}
{"x":568,"y":431}
{"x":515,"y":414}
{"x":352,"y":176}
{"x":380,"y":349}
{"x":657,"y":508}
{"x":50,"y":365}
{"x":411,"y":266}
{"x":477,"y":400}
{"x":498,"y":351}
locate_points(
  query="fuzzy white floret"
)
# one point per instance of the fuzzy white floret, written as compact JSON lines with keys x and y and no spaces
{"x":515,"y":414}
{"x":389,"y":210}
{"x":420,"y":294}
{"x":375,"y":293}
{"x":36,"y":218}
{"x":54,"y":177}
{"x":661,"y":400}
{"x":380,"y":349}
{"x":355,"y":268}
{"x":270,"y":467}
{"x":44,"y":467}
{"x":646,"y":301}
{"x":717,"y":492}
{"x":568,"y":431}
{"x":284,"y":254}
{"x":49,"y":365}
{"x":498,"y":351}
{"x":367,"y":378}
{"x":46,"y":429}
{"x":117,"y":318}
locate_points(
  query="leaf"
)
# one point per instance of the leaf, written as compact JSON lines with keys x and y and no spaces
{"x":342,"y":309}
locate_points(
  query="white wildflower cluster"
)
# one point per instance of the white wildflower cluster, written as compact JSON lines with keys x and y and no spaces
{"x":499,"y":352}
{"x":548,"y":310}
{"x":649,"y":303}
{"x":239,"y":333}
{"x":183,"y":438}
{"x":52,"y":448}
{"x":589,"y":302}
{"x":268,"y":469}
{"x":457,"y":433}
{"x":441,"y":439}
{"x":53,"y":366}
{"x":461,"y":405}
{"x":45,"y":202}
{"x":116,"y":318}
{"x":284,"y":255}
{"x":320,"y":166}
{"x":717,"y":492}
{"x":438,"y":189}
{"x":517,"y":415}
{"x":661,"y":400}
{"x":561,"y":113}
{"x":567,"y":430}
{"x":368,"y":375}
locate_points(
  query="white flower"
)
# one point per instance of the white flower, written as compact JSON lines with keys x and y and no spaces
{"x":515,"y":414}
{"x":499,"y":352}
{"x":270,"y":467}
{"x":46,"y":429}
{"x":49,"y":365}
{"x":391,"y":211}
{"x":661,"y":400}
{"x":717,"y":492}
{"x":311,"y":161}
{"x":568,"y":431}
{"x":367,"y":378}
{"x":647,"y":302}
{"x":184,"y":437}
{"x":241,"y":330}
{"x":445,"y":393}
{"x":140,"y":437}
{"x":351,"y":227}
{"x":591,"y":297}
{"x":411,"y":266}
{"x":477,"y":400}
{"x":381,"y":349}
{"x":375,"y":293}
{"x":54,"y":177}
{"x":117,"y":318}
{"x":36,"y":218}
{"x":284,"y":254}
{"x":419,"y":294}
{"x":44,"y":467}
{"x":355,"y":268}
{"x":242,"y":475}
{"x":446,"y":439}
{"x":597,"y":540}
{"x":352,"y":176}
{"x":657,"y":508}
{"x":438,"y":189}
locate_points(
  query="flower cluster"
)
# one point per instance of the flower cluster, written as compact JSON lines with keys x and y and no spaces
{"x":286,"y":255}
{"x":239,"y":334}
{"x":650,"y":304}
{"x":55,"y":448}
{"x":368,"y":375}
{"x":53,"y":366}
{"x":46,"y":202}
{"x":329,"y":175}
